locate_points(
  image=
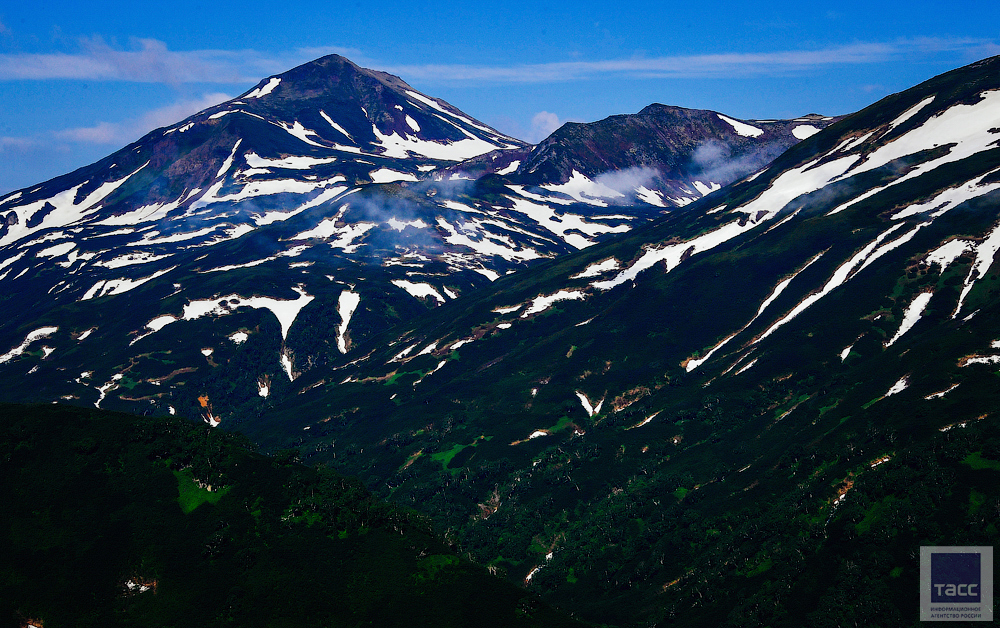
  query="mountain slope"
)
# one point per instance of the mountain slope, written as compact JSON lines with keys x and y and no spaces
{"x":680,"y":411}
{"x":674,"y":155}
{"x":117,"y":520}
{"x":208,"y":265}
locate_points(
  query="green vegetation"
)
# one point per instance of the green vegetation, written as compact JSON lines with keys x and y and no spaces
{"x":977,"y":461}
{"x":191,"y":494}
{"x":105,"y":523}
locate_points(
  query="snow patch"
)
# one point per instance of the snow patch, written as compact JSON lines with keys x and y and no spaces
{"x":264,"y":90}
{"x":985,"y":254}
{"x":508,"y":310}
{"x":38,"y":334}
{"x":401,"y":147}
{"x":804,"y":131}
{"x":419,"y":290}
{"x":911,"y":315}
{"x":585,"y":402}
{"x":303,"y":162}
{"x":335,"y":125}
{"x":653,"y":197}
{"x":584,"y":190}
{"x":846,"y":352}
{"x":948,"y":252}
{"x":543,"y":302}
{"x":385,"y":175}
{"x":899,"y":386}
{"x":511,"y":167}
{"x":909,"y":113}
{"x":120,"y":286}
{"x":346,"y":306}
{"x":399,"y":225}
{"x":741,"y":128}
{"x":597,"y":269}
{"x":704,"y":189}
{"x":942,"y":393}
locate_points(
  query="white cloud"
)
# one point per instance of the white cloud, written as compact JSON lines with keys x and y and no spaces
{"x":734,"y":64}
{"x":124,"y":132}
{"x":543,"y":124}
{"x":150,"y":61}
{"x":17,"y":143}
{"x":628,"y":180}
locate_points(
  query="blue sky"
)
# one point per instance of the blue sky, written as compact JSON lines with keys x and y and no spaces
{"x":80,"y":80}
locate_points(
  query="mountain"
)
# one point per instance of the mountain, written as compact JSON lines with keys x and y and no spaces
{"x":749,"y":412}
{"x":667,"y":156}
{"x":117,"y":520}
{"x":205,"y":267}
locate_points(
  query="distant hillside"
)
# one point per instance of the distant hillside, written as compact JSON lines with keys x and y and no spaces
{"x":116,"y":520}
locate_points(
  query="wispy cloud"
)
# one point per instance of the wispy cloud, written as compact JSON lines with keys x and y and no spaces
{"x":543,"y":124}
{"x":699,"y":66}
{"x":150,"y":61}
{"x":118,"y":133}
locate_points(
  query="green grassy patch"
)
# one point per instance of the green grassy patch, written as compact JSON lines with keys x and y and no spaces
{"x":976,"y":501}
{"x":761,"y":567}
{"x":190,"y":495}
{"x":877,"y":512}
{"x":826,"y":409}
{"x":977,"y":462}
{"x":445,"y":457}
{"x":562,"y":424}
{"x":429,"y":566}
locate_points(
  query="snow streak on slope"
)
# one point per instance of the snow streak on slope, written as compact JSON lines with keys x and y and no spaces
{"x":62,"y":209}
{"x":38,"y":334}
{"x":962,"y":128}
{"x":692,"y":364}
{"x":742,"y":128}
{"x":842,"y":274}
{"x":346,"y":305}
{"x":985,"y":254}
{"x":785,"y":188}
{"x":911,"y":315}
{"x":419,"y":290}
{"x":284,"y":310}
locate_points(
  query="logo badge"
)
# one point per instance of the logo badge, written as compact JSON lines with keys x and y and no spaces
{"x":956,"y":583}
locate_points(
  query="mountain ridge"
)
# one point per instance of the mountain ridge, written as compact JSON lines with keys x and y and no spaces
{"x":649,"y":409}
{"x":339,"y":185}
